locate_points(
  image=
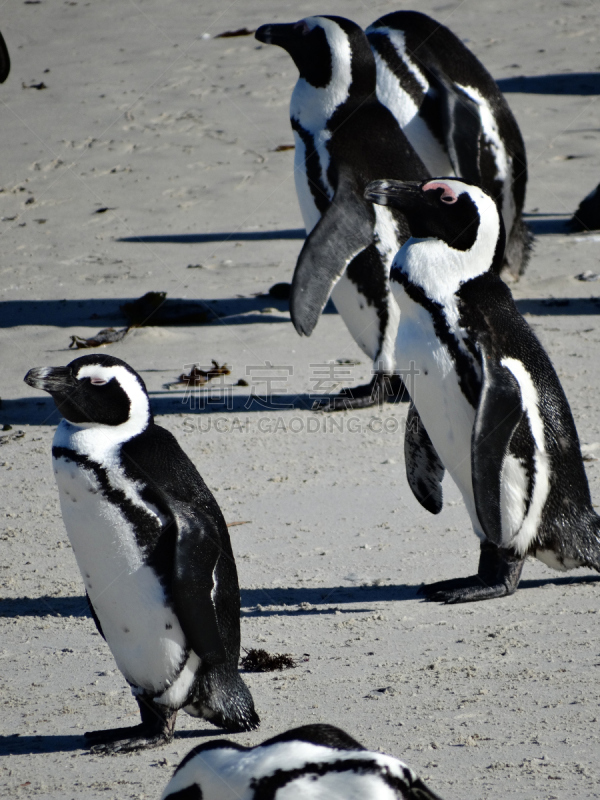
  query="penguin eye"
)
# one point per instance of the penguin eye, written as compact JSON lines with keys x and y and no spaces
{"x":98,"y":381}
{"x":302,"y":26}
{"x":447,"y":195}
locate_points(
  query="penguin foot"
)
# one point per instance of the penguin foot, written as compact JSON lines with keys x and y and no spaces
{"x":498,"y":575}
{"x":127,"y":740}
{"x":384,"y":388}
{"x":462,"y":590}
{"x":156,"y":728}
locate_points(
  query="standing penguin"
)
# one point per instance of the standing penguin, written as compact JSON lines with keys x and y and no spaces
{"x":312,"y":762}
{"x":454,"y":115}
{"x":488,"y":405}
{"x":153,"y":550}
{"x":344,"y":139}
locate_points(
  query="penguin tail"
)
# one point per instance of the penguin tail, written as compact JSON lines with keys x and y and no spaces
{"x":518,"y":248}
{"x":591,"y":544}
{"x":579,"y":544}
{"x":222,"y":698}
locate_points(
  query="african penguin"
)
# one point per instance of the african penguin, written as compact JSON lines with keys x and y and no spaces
{"x":454,"y":115}
{"x":344,"y":139}
{"x":488,"y":405}
{"x":314,"y":762}
{"x":4,"y":60}
{"x":153,"y":550}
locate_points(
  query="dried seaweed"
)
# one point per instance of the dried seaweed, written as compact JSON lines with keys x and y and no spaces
{"x":105,"y":336}
{"x":261,"y":661}
{"x":199,"y":377}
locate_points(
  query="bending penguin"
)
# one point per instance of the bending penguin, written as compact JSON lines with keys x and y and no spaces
{"x":344,"y":139}
{"x":487,"y":403}
{"x":153,"y":550}
{"x":454,"y":115}
{"x":307,"y":763}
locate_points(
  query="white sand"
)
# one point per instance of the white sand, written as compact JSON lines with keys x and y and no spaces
{"x":176,"y":136}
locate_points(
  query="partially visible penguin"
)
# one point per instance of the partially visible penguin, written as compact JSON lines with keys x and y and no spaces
{"x":314,"y":762}
{"x":344,"y":139}
{"x":488,"y":405}
{"x":587,"y":216}
{"x":4,"y":60}
{"x":454,"y":115}
{"x":153,"y":550}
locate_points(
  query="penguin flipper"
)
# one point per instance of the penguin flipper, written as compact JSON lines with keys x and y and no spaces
{"x":344,"y":230}
{"x":4,"y":60}
{"x":462,"y":121}
{"x":424,"y":470}
{"x":197,"y":550}
{"x":499,"y":413}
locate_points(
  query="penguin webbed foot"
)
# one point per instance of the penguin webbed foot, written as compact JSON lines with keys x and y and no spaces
{"x":156,"y":728}
{"x":384,"y":388}
{"x":462,"y":590}
{"x":126,"y":740}
{"x":498,"y":575}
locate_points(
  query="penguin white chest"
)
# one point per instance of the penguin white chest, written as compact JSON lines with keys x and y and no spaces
{"x":141,"y":629}
{"x":444,"y":410}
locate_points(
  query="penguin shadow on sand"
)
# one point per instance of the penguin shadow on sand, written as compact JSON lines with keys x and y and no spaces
{"x":17,"y":745}
{"x":581,"y":83}
{"x":207,"y":238}
{"x":289,"y":601}
{"x":171,"y":312}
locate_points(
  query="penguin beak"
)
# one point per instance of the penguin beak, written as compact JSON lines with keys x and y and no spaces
{"x":282,"y":35}
{"x":403,"y":195}
{"x":55,"y":380}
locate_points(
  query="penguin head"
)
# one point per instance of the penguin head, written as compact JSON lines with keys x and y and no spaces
{"x":456,"y":229}
{"x":332,"y":55}
{"x":96,"y":390}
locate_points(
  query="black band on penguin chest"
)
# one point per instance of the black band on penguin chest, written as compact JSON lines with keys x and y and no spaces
{"x":149,"y":534}
{"x":312,"y":164}
{"x":468,"y":379}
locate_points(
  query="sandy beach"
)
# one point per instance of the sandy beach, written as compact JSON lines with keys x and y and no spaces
{"x":140,"y":153}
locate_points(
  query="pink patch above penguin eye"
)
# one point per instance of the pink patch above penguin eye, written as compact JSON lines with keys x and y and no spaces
{"x":302,"y":26}
{"x":448,"y":196}
{"x":97,"y":381}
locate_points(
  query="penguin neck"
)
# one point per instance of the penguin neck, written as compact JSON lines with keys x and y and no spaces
{"x":440,"y":270}
{"x":313,"y":106}
{"x":101,"y":443}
